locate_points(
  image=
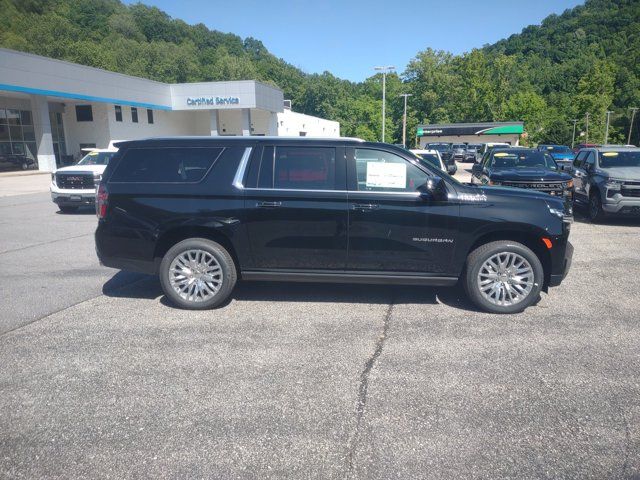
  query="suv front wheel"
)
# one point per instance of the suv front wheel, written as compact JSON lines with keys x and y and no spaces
{"x":596,"y":214}
{"x":503,"y":277}
{"x":197,"y":274}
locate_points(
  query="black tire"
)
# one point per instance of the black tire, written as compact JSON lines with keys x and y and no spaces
{"x":596,"y":214}
{"x":480,"y":255}
{"x":68,"y":208}
{"x":221,"y":255}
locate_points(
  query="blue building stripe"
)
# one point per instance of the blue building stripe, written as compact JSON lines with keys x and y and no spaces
{"x":77,"y":96}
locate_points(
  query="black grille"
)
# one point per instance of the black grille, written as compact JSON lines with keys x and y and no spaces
{"x":75,"y":181}
{"x":630,"y":192}
{"x":547,"y":187}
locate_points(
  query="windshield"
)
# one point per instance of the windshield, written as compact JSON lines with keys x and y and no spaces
{"x":434,"y":169}
{"x":462,"y":146}
{"x":521,"y":159}
{"x":429,"y":158}
{"x":558,"y":149}
{"x":441,"y":147}
{"x":620,"y":159}
{"x":96,"y":158}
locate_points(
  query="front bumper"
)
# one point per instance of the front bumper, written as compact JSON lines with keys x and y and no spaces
{"x":559,"y":273}
{"x":73,"y":197}
{"x":621,"y":205}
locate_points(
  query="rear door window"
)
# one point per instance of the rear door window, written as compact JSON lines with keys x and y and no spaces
{"x":166,"y":165}
{"x":298,"y":168}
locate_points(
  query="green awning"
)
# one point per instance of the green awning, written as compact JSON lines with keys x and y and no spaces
{"x":503,"y":130}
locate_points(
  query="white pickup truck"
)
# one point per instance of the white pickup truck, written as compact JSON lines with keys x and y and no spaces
{"x":75,"y":185}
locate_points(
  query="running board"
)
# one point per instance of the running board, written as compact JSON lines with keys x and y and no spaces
{"x":350,"y":277}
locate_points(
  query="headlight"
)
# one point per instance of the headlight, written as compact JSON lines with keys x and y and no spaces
{"x":613,"y":184}
{"x":493,"y":182}
{"x":569,"y":184}
{"x":53,"y":178}
{"x":566,"y":214}
{"x":96,"y":178}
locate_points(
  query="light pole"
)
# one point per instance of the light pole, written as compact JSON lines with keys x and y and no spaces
{"x":633,"y":114}
{"x":384,"y":69}
{"x":404,"y":119}
{"x":587,"y":129}
{"x":606,"y":129}
{"x":573,"y":137}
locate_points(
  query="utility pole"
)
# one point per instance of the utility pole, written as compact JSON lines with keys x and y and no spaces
{"x":606,"y":130}
{"x":573,"y":137}
{"x":587,"y":129}
{"x":384,"y":69}
{"x":633,"y":114}
{"x":404,"y":119}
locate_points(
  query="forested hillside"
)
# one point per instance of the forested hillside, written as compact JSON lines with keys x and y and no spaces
{"x":584,"y":60}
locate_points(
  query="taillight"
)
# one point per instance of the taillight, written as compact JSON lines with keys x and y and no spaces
{"x":102,"y":199}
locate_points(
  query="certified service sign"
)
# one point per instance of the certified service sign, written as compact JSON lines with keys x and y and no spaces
{"x":212,"y":101}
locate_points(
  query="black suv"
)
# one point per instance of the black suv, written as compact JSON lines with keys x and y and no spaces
{"x":203,"y":212}
{"x":523,"y":168}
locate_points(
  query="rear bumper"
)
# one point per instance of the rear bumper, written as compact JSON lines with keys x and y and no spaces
{"x":561,"y":266}
{"x":106,"y":245}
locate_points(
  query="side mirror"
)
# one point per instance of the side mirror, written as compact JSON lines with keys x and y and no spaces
{"x":433,"y":189}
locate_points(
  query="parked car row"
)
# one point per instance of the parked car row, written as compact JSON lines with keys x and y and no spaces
{"x":605,"y":179}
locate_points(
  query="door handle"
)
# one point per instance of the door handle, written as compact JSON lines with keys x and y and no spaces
{"x":364,"y":207}
{"x":268,"y":204}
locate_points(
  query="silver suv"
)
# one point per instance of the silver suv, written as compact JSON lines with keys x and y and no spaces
{"x":607,"y":181}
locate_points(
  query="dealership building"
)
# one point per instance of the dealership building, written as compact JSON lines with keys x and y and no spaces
{"x":487,"y":132}
{"x":51,"y":109}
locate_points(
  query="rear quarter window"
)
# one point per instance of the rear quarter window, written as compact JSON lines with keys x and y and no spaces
{"x":165,"y":165}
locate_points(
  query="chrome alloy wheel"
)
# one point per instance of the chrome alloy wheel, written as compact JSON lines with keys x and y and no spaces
{"x":505,"y":279}
{"x":195,"y":275}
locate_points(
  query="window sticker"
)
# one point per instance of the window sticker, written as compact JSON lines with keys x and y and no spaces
{"x":610,"y":154}
{"x":500,"y":154}
{"x":386,"y":175}
{"x":93,"y":154}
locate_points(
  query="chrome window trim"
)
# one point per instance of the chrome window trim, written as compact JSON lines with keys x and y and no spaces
{"x":242,"y":168}
{"x":409,"y":194}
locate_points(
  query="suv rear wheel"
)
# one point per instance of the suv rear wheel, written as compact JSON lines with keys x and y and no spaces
{"x":503,"y":277}
{"x":197,"y":274}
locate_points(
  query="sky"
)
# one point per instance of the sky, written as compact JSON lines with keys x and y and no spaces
{"x":348,"y":38}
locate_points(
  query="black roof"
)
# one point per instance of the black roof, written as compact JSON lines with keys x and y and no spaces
{"x":249,"y":139}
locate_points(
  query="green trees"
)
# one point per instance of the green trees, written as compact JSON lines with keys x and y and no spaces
{"x":585,"y":60}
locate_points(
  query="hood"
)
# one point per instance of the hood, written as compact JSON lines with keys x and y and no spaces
{"x":83,"y":168}
{"x":622,"y":173}
{"x":528,"y":174}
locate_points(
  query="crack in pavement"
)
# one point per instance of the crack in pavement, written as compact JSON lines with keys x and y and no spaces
{"x":45,"y":243}
{"x":364,"y":387}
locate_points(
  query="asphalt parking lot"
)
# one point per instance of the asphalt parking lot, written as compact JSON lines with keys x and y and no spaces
{"x":100,"y":377}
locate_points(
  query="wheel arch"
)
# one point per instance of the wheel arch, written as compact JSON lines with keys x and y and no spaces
{"x":530,"y":239}
{"x":172,"y":236}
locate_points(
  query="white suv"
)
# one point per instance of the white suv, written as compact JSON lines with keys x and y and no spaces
{"x":74,"y":186}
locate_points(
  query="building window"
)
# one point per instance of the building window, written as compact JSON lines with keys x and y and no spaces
{"x":134,"y":114}
{"x":149,"y":116}
{"x":17,"y":139}
{"x":84,"y":113}
{"x":118,"y":113}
